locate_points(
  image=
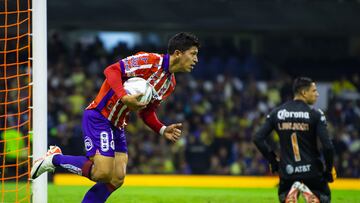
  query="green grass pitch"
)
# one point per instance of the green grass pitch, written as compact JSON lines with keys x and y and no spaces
{"x":67,"y":194}
{"x":132,"y":194}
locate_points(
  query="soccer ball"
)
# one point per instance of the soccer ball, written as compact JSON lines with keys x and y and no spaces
{"x":138,"y":85}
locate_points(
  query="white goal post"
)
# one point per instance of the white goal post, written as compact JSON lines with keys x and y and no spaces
{"x":39,"y":96}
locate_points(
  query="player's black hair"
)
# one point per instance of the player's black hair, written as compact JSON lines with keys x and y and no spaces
{"x":301,"y":83}
{"x":182,"y":41}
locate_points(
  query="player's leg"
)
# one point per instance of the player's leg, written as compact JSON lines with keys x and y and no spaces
{"x":101,"y":172}
{"x":79,"y":165}
{"x":309,"y":196}
{"x":98,"y":137}
{"x":45,"y":164}
{"x":102,"y":168}
{"x":316,"y":190}
{"x":119,"y":171}
{"x":97,"y":168}
{"x":283,"y":190}
{"x":121,"y":158}
{"x":288,"y":191}
{"x":293,"y":194}
{"x":102,"y":190}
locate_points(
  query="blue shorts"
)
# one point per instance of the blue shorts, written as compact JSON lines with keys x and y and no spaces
{"x":100,"y":136}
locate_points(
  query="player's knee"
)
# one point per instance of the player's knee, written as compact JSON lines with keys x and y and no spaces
{"x":118,"y":181}
{"x":102,"y":175}
{"x":118,"y":177}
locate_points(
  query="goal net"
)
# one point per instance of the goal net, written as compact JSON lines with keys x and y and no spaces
{"x":15,"y":100}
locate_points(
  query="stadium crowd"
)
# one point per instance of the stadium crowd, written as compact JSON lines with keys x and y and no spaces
{"x":221,"y":104}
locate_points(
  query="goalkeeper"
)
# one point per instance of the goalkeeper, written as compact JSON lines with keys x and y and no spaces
{"x":105,"y":118}
{"x":299,"y":126}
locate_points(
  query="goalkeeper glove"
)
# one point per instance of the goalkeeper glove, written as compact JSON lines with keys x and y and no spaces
{"x":330,"y":176}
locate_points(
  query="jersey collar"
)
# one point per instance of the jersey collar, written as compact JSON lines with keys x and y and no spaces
{"x":166,"y":63}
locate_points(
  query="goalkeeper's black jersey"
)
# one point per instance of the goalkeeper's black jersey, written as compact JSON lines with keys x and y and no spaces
{"x":298,"y":126}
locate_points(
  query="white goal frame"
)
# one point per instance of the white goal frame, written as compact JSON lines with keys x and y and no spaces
{"x":39,"y":94}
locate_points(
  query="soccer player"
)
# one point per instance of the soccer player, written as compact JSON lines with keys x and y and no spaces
{"x":105,"y":118}
{"x":299,"y":126}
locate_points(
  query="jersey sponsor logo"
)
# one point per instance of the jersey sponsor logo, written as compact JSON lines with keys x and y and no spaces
{"x":302,"y":168}
{"x":144,"y":59}
{"x":134,"y":62}
{"x":88,"y":143}
{"x":283,"y":114}
{"x":297,"y":169}
{"x":289,"y":169}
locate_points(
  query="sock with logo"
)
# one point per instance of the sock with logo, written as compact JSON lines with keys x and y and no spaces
{"x":80,"y":165}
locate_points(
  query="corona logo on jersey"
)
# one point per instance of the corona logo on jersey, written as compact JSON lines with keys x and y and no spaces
{"x":283,"y":114}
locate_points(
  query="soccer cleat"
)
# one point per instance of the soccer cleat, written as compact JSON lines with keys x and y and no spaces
{"x":44,"y":164}
{"x":307,"y":194}
{"x":293,"y":194}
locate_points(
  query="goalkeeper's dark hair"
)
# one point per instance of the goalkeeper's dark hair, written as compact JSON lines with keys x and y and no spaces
{"x":301,"y":83}
{"x":182,"y":42}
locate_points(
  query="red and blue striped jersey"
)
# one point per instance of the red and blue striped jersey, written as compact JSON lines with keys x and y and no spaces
{"x":151,"y":66}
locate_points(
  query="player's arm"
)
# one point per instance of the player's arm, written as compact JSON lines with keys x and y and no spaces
{"x":261,"y":143}
{"x":148,"y":115}
{"x":327,"y":146}
{"x":113,"y":78}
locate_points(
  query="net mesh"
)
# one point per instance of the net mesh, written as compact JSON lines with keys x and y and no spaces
{"x":15,"y":100}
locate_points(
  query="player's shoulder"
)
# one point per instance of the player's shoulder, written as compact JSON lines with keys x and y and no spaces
{"x":142,"y":55}
{"x":274,"y":111}
{"x":316,"y":111}
{"x":284,"y":108}
{"x":281,"y":107}
{"x":143,"y":58}
{"x":319,"y":114}
{"x":148,"y":54}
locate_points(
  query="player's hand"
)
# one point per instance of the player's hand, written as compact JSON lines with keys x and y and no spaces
{"x":330,"y":176}
{"x":173,"y":132}
{"x":274,"y":167}
{"x":132,"y":102}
